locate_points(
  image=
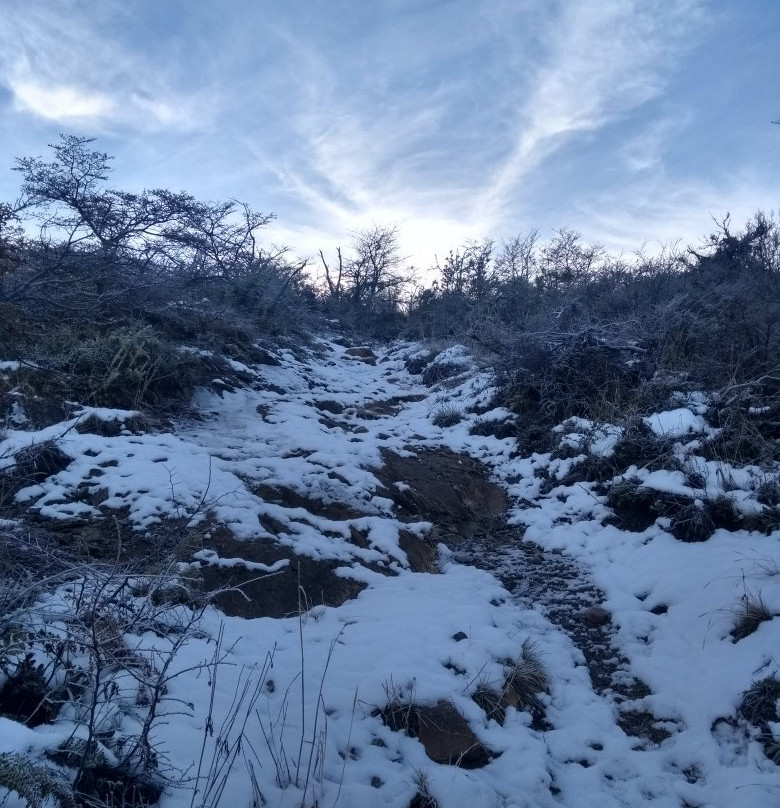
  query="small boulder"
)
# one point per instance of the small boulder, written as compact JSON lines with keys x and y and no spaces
{"x":447,"y":738}
{"x":596,"y":616}
{"x":420,"y":551}
{"x":361,"y":353}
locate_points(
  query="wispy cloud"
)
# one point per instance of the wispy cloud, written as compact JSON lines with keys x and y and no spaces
{"x":656,"y":209}
{"x":59,"y":65}
{"x":453,"y":119}
{"x":601,"y":60}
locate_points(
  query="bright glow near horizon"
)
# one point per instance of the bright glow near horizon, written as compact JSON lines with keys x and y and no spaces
{"x":632,"y":121}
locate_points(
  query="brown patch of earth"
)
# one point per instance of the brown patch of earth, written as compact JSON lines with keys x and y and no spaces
{"x":302,"y":584}
{"x":440,"y":486}
{"x":374,"y":410}
{"x":420,"y":550}
{"x":447,"y":737}
{"x":281,"y":495}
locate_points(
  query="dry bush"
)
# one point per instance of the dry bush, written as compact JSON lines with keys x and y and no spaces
{"x":758,"y":706}
{"x":439,"y":371}
{"x":750,"y":614}
{"x":71,"y":649}
{"x":447,"y":415}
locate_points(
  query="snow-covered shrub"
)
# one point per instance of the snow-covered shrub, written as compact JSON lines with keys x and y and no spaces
{"x":81,"y":655}
{"x":37,"y":784}
{"x":439,"y":371}
{"x":759,"y":702}
{"x":641,"y":447}
{"x":692,"y":523}
{"x":758,"y":707}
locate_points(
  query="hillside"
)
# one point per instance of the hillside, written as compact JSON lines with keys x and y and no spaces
{"x":339,"y":580}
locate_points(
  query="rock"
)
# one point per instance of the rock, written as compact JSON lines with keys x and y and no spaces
{"x":361,"y":353}
{"x":459,"y":636}
{"x":262,"y":357}
{"x":420,"y":551}
{"x":446,"y":736}
{"x":596,"y":616}
{"x":328,"y":405}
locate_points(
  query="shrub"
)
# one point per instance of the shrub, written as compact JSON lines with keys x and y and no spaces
{"x":526,"y":680}
{"x":498,"y":429}
{"x":72,"y":659}
{"x":634,"y":506}
{"x":759,"y":702}
{"x":447,"y":415}
{"x":439,"y":371}
{"x":640,"y":446}
{"x":35,"y":783}
{"x":752,"y":612}
{"x":417,"y":364}
{"x":692,"y":523}
{"x":758,"y":706}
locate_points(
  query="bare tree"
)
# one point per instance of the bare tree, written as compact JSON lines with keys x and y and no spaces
{"x":372,"y":274}
{"x":118,"y":246}
{"x":376,"y":269}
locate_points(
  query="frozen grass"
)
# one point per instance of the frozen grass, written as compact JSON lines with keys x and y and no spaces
{"x":750,"y":614}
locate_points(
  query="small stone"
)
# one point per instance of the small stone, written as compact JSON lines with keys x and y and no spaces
{"x":461,"y":635}
{"x":596,"y":616}
{"x":447,"y":738}
{"x":377,"y":782}
{"x":361,"y":353}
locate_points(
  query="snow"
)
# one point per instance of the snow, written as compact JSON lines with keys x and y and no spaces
{"x":396,"y":637}
{"x":677,"y":423}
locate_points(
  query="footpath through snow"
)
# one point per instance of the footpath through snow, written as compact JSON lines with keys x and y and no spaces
{"x":293,"y":461}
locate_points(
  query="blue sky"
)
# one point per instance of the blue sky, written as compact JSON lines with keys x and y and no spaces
{"x":632,"y":121}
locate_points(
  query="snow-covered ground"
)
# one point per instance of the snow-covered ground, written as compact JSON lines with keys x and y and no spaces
{"x":317,"y":424}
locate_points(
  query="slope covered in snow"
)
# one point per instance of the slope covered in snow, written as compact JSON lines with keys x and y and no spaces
{"x":294,"y":461}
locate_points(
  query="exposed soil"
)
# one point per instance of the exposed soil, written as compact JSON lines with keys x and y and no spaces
{"x":288,"y":498}
{"x":453,"y":491}
{"x":304,"y":583}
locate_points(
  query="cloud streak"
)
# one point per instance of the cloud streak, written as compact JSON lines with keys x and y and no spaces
{"x":453,"y":119}
{"x":602,"y":60}
{"x":59,"y":65}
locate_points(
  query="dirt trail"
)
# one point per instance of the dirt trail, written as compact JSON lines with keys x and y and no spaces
{"x":468,"y":511}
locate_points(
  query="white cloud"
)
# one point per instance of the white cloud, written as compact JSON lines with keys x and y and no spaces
{"x":657,"y":210}
{"x":59,"y":65}
{"x":60,"y":103}
{"x":603,"y":58}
